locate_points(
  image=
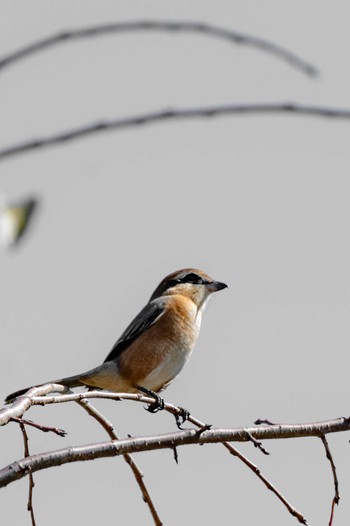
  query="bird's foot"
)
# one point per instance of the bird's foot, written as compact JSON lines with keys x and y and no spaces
{"x":181,"y":417}
{"x":157,"y":405}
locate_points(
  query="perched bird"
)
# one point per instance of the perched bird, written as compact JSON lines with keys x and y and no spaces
{"x":15,"y":219}
{"x":158,"y":342}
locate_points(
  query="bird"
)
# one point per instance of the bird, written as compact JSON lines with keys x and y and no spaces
{"x":157,"y":344}
{"x":15,"y":218}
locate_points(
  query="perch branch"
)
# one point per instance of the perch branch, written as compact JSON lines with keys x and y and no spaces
{"x":14,"y":412}
{"x":171,"y":115}
{"x":23,"y":403}
{"x":240,"y":434}
{"x":264,"y":432}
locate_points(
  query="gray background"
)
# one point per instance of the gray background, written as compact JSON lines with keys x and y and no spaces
{"x":260,"y":202}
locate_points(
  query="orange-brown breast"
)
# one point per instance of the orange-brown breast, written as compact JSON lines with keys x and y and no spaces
{"x":159,"y":354}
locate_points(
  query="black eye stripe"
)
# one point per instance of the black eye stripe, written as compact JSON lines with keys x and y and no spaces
{"x":191,"y":277}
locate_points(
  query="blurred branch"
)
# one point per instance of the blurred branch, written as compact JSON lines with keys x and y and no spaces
{"x":15,"y":219}
{"x":158,"y":25}
{"x":169,"y":115}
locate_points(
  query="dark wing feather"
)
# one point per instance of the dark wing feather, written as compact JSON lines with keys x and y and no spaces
{"x":149,"y":314}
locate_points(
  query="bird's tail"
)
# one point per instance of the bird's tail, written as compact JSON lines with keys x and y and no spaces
{"x":70,"y":381}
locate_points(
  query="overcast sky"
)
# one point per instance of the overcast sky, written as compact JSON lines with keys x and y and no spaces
{"x":259,"y":202}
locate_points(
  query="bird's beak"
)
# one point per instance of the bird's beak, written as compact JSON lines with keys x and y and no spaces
{"x":216,"y":285}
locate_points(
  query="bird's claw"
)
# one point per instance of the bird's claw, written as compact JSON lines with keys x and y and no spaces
{"x":157,"y":405}
{"x":181,"y":417}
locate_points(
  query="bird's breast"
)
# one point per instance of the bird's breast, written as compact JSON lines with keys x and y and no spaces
{"x":160,"y":353}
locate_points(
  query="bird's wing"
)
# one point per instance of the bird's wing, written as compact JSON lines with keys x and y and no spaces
{"x":147,"y":317}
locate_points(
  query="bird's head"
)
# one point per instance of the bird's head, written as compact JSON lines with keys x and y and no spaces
{"x":192,"y":283}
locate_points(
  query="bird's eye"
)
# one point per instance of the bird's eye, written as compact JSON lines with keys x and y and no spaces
{"x":192,"y":278}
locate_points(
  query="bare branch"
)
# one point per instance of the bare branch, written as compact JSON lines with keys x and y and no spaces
{"x":19,"y":469}
{"x":31,"y":479}
{"x":45,"y":429}
{"x":159,"y":25}
{"x":332,"y":511}
{"x":190,"y":436}
{"x":261,"y":421}
{"x":179,"y":413}
{"x":14,"y":411}
{"x":169,"y":115}
{"x":165,"y":441}
{"x":23,"y":403}
{"x":108,"y":426}
{"x":257,"y":444}
{"x":293,"y":511}
{"x":265,"y":432}
{"x":336,"y":497}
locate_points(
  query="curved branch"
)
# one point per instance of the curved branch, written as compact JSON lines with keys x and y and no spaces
{"x":261,"y":432}
{"x":81,"y":398}
{"x":20,"y":468}
{"x":23,"y":403}
{"x":241,"y":434}
{"x":124,"y":447}
{"x":159,"y":25}
{"x":170,"y":115}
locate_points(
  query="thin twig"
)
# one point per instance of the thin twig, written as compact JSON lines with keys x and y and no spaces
{"x":45,"y":429}
{"x":108,"y":426}
{"x":31,"y":479}
{"x":293,"y":511}
{"x":169,"y":115}
{"x":261,"y":421}
{"x":176,"y":456}
{"x":257,"y":444}
{"x":332,"y":511}
{"x":336,"y":498}
{"x":159,"y":25}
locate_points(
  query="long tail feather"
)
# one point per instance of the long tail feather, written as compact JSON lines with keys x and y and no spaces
{"x":69,"y":382}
